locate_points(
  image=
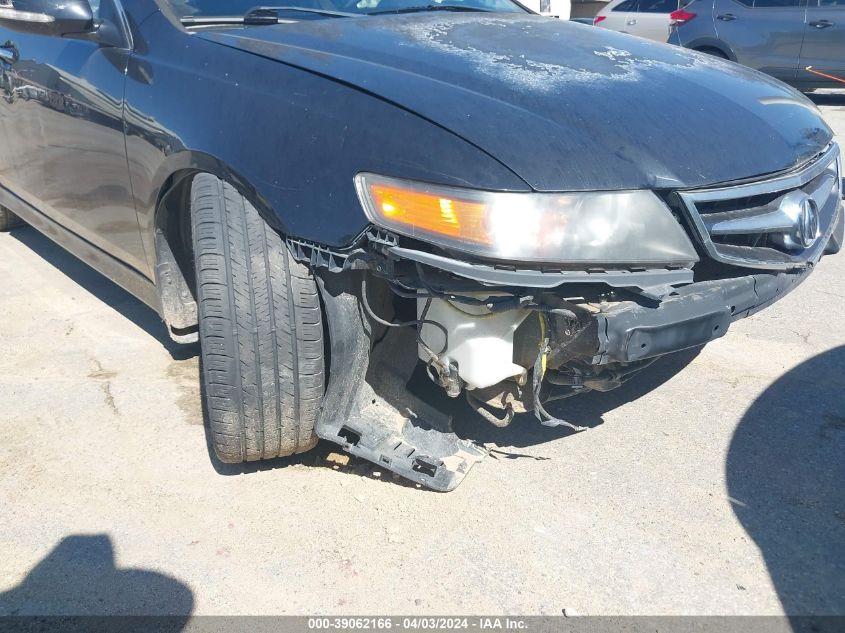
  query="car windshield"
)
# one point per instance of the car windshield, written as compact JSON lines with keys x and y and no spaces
{"x":239,"y":8}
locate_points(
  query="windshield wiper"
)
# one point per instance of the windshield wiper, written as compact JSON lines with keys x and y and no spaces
{"x":430,"y":7}
{"x":261,"y":15}
{"x":270,"y":15}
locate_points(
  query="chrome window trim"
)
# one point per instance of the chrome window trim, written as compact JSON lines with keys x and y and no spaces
{"x":792,"y":180}
{"x":124,"y":25}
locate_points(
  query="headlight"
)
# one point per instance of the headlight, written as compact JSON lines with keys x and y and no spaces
{"x":625,"y":227}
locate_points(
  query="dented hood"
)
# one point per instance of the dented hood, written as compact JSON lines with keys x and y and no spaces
{"x":563,"y":105}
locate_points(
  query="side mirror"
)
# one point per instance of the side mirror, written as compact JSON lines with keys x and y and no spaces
{"x":48,"y":17}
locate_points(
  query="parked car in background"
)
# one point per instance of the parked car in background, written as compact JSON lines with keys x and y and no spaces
{"x":586,"y":9}
{"x":779,"y":37}
{"x":551,"y":8}
{"x":644,"y":18}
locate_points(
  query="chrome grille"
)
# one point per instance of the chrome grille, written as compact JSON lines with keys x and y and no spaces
{"x":778,"y":223}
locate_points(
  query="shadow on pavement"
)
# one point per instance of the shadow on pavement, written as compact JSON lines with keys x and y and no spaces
{"x":583,"y":410}
{"x":836,"y":98}
{"x":79,"y":578}
{"x":786,"y":479}
{"x":103,"y":289}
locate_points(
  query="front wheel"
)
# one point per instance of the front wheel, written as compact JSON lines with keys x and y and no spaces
{"x":260,"y":330}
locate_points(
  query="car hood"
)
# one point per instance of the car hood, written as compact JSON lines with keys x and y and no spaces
{"x":563,"y":105}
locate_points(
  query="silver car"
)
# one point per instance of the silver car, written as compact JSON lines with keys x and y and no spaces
{"x":801,"y":42}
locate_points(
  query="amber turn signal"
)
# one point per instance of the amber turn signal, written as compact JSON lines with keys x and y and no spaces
{"x":430,"y":213}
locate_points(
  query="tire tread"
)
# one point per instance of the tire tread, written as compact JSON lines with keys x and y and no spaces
{"x":261,"y":330}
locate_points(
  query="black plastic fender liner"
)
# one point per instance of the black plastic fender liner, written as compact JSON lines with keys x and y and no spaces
{"x":367,"y":408}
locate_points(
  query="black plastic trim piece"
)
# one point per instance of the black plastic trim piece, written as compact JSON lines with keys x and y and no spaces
{"x":692,"y":316}
{"x":528,"y":278}
{"x":653,"y":282}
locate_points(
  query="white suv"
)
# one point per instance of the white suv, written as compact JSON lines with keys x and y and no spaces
{"x":645,"y":18}
{"x":552,"y":8}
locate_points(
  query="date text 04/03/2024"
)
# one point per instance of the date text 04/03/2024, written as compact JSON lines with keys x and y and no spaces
{"x":430,"y":623}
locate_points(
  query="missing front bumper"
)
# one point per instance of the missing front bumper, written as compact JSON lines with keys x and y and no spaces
{"x":368,"y":410}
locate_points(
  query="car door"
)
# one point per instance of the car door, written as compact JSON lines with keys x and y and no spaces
{"x":651,"y":19}
{"x":617,"y":16}
{"x":763,"y":34}
{"x":824,"y":39}
{"x":63,"y":126}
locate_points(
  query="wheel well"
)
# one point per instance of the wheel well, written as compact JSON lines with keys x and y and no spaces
{"x":174,"y":269}
{"x":712,"y":50}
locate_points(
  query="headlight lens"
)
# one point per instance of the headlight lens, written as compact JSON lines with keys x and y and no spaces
{"x":625,"y":227}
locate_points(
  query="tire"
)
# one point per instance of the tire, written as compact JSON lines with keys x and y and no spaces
{"x":260,"y":330}
{"x":8,"y":220}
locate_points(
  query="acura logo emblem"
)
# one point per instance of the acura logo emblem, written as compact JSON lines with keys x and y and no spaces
{"x":792,"y":222}
{"x":807,"y":229}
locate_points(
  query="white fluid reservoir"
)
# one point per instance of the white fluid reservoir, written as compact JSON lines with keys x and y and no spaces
{"x":480,"y":342}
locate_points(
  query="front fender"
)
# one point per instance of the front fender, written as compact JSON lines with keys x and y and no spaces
{"x":289,"y":139}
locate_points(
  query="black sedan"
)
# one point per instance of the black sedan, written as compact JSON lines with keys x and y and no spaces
{"x":336,"y":195}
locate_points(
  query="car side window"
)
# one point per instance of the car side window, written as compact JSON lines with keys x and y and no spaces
{"x":628,"y":5}
{"x":781,"y":4}
{"x":108,"y":16}
{"x":105,"y":10}
{"x":829,"y":3}
{"x":658,"y":6}
{"x":101,"y":9}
